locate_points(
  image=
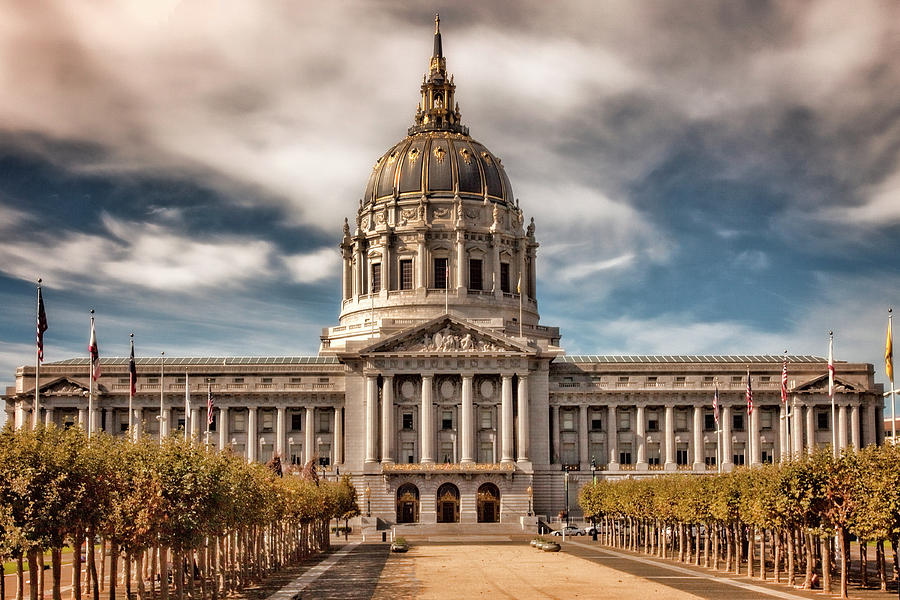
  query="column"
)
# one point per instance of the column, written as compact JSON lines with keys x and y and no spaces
{"x":754,"y":433}
{"x":495,"y":247}
{"x":670,"y":438}
{"x":252,"y":440}
{"x":360,"y":271}
{"x":461,"y":266}
{"x":279,"y":432}
{"x":640,"y":433}
{"x":346,"y":274}
{"x":583,"y":457}
{"x":506,"y":420}
{"x":524,"y":415}
{"x":426,"y":418}
{"x":96,"y":421}
{"x":195,"y":423}
{"x":854,"y":426}
{"x":796,"y":427}
{"x":784,"y":451}
{"x":385,"y":264}
{"x":421,"y":275}
{"x":612,"y":438}
{"x":810,"y":428}
{"x":466,"y":422}
{"x":726,"y":451}
{"x":842,"y":427}
{"x":309,"y":442}
{"x":371,"y":418}
{"x":48,"y":416}
{"x":699,"y":450}
{"x":555,"y":457}
{"x":387,"y":420}
{"x":138,"y":424}
{"x":338,"y":436}
{"x":223,"y":427}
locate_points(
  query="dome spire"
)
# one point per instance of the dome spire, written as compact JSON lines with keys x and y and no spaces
{"x":438,"y":110}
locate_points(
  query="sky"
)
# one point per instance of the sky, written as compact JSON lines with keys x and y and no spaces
{"x":705,"y":177}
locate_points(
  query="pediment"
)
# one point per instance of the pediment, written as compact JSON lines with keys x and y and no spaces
{"x":447,"y":335}
{"x":820,"y":385}
{"x":63,"y":386}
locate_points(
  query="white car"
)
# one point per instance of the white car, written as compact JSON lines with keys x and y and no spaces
{"x":569,"y":530}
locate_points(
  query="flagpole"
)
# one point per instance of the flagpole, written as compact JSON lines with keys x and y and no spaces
{"x":891,"y":375}
{"x":131,"y":393}
{"x":834,"y":447}
{"x":787,"y":407}
{"x":208,"y":410}
{"x":519,"y":290}
{"x":162,"y":388}
{"x":187,"y":406}
{"x":37,"y":365}
{"x":749,"y":400}
{"x":718,"y":427}
{"x":90,"y":415}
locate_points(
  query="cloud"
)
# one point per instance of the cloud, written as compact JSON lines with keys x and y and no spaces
{"x":313,"y":266}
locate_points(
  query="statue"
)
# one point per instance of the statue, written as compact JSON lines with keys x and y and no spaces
{"x":496,"y":215}
{"x":467,"y":343}
{"x":531,"y":228}
{"x":346,"y":227}
{"x":422,"y":208}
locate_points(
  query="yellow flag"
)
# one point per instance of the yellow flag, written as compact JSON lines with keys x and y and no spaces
{"x":889,"y":355}
{"x":519,"y":285}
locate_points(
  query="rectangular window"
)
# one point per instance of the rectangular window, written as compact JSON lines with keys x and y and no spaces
{"x":568,"y":453}
{"x":446,"y":452}
{"x":652,"y":379}
{"x":177,"y":380}
{"x":707,"y":379}
{"x":822,"y":420}
{"x":296,"y":380}
{"x":408,"y":452}
{"x":323,"y":380}
{"x":624,"y":420}
{"x":268,"y":421}
{"x":406,"y":274}
{"x":653,"y":454}
{"x":568,"y":420}
{"x":239,"y":423}
{"x":625,"y":453}
{"x":596,"y":422}
{"x":236,"y":380}
{"x":768,"y":453}
{"x":486,"y":452}
{"x":652,"y":420}
{"x":680,"y":379}
{"x":296,"y":421}
{"x":486,"y":421}
{"x":681,"y":420}
{"x":266,"y":380}
{"x":440,"y":273}
{"x":765,"y":378}
{"x":765,"y":419}
{"x":408,"y":421}
{"x":737,"y":378}
{"x":624,"y":379}
{"x":709,"y":421}
{"x":124,"y":380}
{"x":324,"y":421}
{"x":738,"y":454}
{"x":737,"y":422}
{"x":504,"y":277}
{"x":709,"y":455}
{"x":376,"y":278}
{"x":446,"y":419}
{"x":153,"y":380}
{"x":476,"y":280}
{"x":681,"y":454}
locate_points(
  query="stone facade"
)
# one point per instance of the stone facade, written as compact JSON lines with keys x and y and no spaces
{"x":439,"y":390}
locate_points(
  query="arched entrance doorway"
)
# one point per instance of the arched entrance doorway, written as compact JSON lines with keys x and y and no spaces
{"x":407,"y":503}
{"x":448,"y":504}
{"x":488,"y":500}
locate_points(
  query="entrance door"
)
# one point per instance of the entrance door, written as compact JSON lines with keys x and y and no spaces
{"x":488,"y":498}
{"x":408,"y":503}
{"x":448,"y":504}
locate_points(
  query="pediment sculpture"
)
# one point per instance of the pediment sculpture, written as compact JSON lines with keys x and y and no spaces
{"x":449,"y":339}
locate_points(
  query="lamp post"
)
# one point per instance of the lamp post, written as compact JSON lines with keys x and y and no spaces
{"x":368,"y":494}
{"x":567,"y":494}
{"x":291,"y":451}
{"x":530,"y":493}
{"x":593,"y":470}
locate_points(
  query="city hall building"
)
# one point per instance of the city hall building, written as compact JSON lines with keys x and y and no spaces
{"x":439,"y":390}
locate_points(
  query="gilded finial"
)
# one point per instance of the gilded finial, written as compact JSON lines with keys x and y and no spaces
{"x":437,"y":23}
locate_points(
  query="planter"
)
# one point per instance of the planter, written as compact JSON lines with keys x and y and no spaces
{"x":551,"y":547}
{"x":395,"y":547}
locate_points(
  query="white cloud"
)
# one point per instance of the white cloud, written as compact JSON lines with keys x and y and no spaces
{"x":313,"y":266}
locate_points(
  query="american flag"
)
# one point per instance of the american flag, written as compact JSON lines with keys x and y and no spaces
{"x":749,"y":394}
{"x":41,"y":326}
{"x":716,"y":404}
{"x":132,"y":370}
{"x":95,"y":353}
{"x":209,"y":404}
{"x":784,"y":381}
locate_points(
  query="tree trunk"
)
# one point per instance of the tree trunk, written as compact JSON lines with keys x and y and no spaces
{"x":826,"y":565}
{"x":129,"y":560}
{"x":113,"y":568}
{"x":791,"y":557}
{"x":154,"y":570}
{"x":762,"y":553}
{"x":178,"y":573}
{"x":102,"y":563}
{"x":20,"y":578}
{"x":56,"y":565}
{"x":139,"y":574}
{"x":864,"y":563}
{"x":844,"y":541}
{"x":879,"y":563}
{"x":33,"y":574}
{"x":41,"y":588}
{"x":777,"y":556}
{"x":163,"y":572}
{"x":810,"y":561}
{"x":77,"y":544}
{"x":750,"y":546}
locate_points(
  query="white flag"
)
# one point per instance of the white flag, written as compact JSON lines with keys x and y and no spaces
{"x":831,"y":367}
{"x":187,"y":404}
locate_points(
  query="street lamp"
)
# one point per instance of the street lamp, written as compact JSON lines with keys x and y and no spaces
{"x":593,"y":470}
{"x":567,"y":494}
{"x":368,"y":494}
{"x":530,"y":493}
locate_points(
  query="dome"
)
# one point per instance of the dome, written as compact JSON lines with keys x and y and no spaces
{"x":439,"y":163}
{"x":438,"y":158}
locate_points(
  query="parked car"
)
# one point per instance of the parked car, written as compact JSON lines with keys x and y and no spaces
{"x":590,"y":530}
{"x":569,"y":530}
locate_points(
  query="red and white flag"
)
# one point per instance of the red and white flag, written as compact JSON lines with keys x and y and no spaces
{"x":716,"y":405}
{"x":209,"y":405}
{"x":749,"y":394}
{"x":831,"y":367}
{"x":784,"y":381}
{"x":95,"y":354}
